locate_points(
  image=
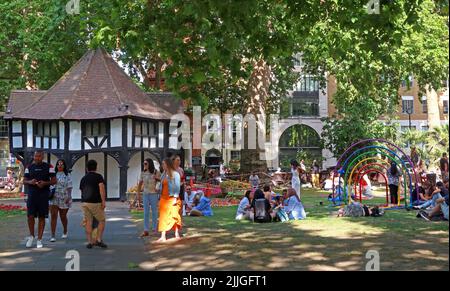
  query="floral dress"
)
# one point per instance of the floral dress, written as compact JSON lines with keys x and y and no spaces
{"x":63,"y":183}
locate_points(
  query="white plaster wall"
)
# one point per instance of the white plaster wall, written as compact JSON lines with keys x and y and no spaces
{"x":134,"y":170}
{"x":161,"y":134}
{"x":30,"y":136}
{"x":116,"y":132}
{"x":61,"y":135}
{"x":113,"y":178}
{"x":75,"y":136}
{"x":78,"y":171}
{"x":130,"y":132}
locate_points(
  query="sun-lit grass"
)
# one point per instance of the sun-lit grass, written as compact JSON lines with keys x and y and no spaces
{"x":321,"y":242}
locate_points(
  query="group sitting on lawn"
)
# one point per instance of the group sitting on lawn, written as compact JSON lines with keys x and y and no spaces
{"x":433,"y":201}
{"x":267,"y":206}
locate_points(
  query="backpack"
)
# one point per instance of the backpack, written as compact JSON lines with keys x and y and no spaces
{"x":261,"y":214}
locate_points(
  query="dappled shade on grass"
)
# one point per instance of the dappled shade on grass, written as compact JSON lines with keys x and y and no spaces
{"x":321,"y":242}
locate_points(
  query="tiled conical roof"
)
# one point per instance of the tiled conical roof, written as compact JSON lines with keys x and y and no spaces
{"x":96,"y":87}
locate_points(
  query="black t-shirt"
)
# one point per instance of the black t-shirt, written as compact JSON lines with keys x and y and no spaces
{"x":90,"y":191}
{"x":41,"y":172}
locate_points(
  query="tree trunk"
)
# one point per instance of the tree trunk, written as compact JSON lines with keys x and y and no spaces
{"x":434,"y":119}
{"x":257,"y":92}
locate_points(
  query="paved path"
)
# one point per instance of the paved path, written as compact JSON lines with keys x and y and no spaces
{"x":125,"y":250}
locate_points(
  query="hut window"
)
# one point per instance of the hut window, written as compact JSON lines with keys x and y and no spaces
{"x":95,"y":128}
{"x":46,"y":129}
{"x":144,"y":128}
{"x":3,"y":128}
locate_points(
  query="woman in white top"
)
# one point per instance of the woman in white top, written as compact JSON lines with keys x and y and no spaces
{"x":296,"y":170}
{"x":293,"y":206}
{"x":147,"y":183}
{"x":244,"y":209}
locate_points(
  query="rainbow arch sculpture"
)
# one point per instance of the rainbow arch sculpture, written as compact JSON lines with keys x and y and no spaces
{"x":368,"y":156}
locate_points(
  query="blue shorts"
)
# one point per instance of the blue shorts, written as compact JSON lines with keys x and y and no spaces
{"x":37,"y":204}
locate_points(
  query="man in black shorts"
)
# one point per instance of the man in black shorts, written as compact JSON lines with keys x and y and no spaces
{"x":38,"y":177}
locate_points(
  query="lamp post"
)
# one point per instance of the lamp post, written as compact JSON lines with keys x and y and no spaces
{"x":409,"y":111}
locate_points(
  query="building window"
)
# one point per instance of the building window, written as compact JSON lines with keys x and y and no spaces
{"x":46,"y":134}
{"x":298,"y":139}
{"x":145,"y":134}
{"x":424,"y":104}
{"x":235,"y":155}
{"x":298,"y":60}
{"x":408,"y":83}
{"x":3,"y":128}
{"x":95,"y":128}
{"x":47,"y":129}
{"x":445,"y":106}
{"x":305,"y":107}
{"x":424,"y":128}
{"x":407,"y":106}
{"x":144,"y":128}
{"x":307,"y":84}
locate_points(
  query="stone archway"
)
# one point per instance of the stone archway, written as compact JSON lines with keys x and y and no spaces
{"x":295,"y":138}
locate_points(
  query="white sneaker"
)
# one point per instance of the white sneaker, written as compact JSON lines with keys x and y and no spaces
{"x":30,"y":240}
{"x":64,"y":236}
{"x":39,"y":244}
{"x":52,"y":239}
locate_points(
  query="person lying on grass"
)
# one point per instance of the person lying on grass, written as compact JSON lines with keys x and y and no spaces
{"x":356,"y":209}
{"x":202,"y":206}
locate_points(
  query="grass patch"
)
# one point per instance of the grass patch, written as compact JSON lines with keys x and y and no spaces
{"x":11,"y":214}
{"x":321,"y":242}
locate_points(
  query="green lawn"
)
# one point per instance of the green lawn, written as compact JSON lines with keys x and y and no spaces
{"x":321,"y":242}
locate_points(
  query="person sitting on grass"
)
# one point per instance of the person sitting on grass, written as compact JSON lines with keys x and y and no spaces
{"x":418,"y":199}
{"x":366,"y":187}
{"x":267,"y":192}
{"x":202,"y":206}
{"x":440,"y":208}
{"x":437,"y":193}
{"x":293,"y":206}
{"x":189,"y":199}
{"x":261,"y":207}
{"x":245,"y":210}
{"x":278,"y":213}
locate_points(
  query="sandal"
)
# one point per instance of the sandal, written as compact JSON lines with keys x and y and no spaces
{"x":144,"y":234}
{"x":89,"y":246}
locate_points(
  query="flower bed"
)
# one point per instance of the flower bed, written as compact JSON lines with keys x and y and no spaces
{"x":11,"y":195}
{"x":8,"y":208}
{"x":217,"y":202}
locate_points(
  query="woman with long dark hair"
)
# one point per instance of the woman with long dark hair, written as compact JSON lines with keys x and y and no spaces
{"x":147,"y":182}
{"x":62,"y":199}
{"x":170,"y":203}
{"x":244,"y":210}
{"x":393,"y":174}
